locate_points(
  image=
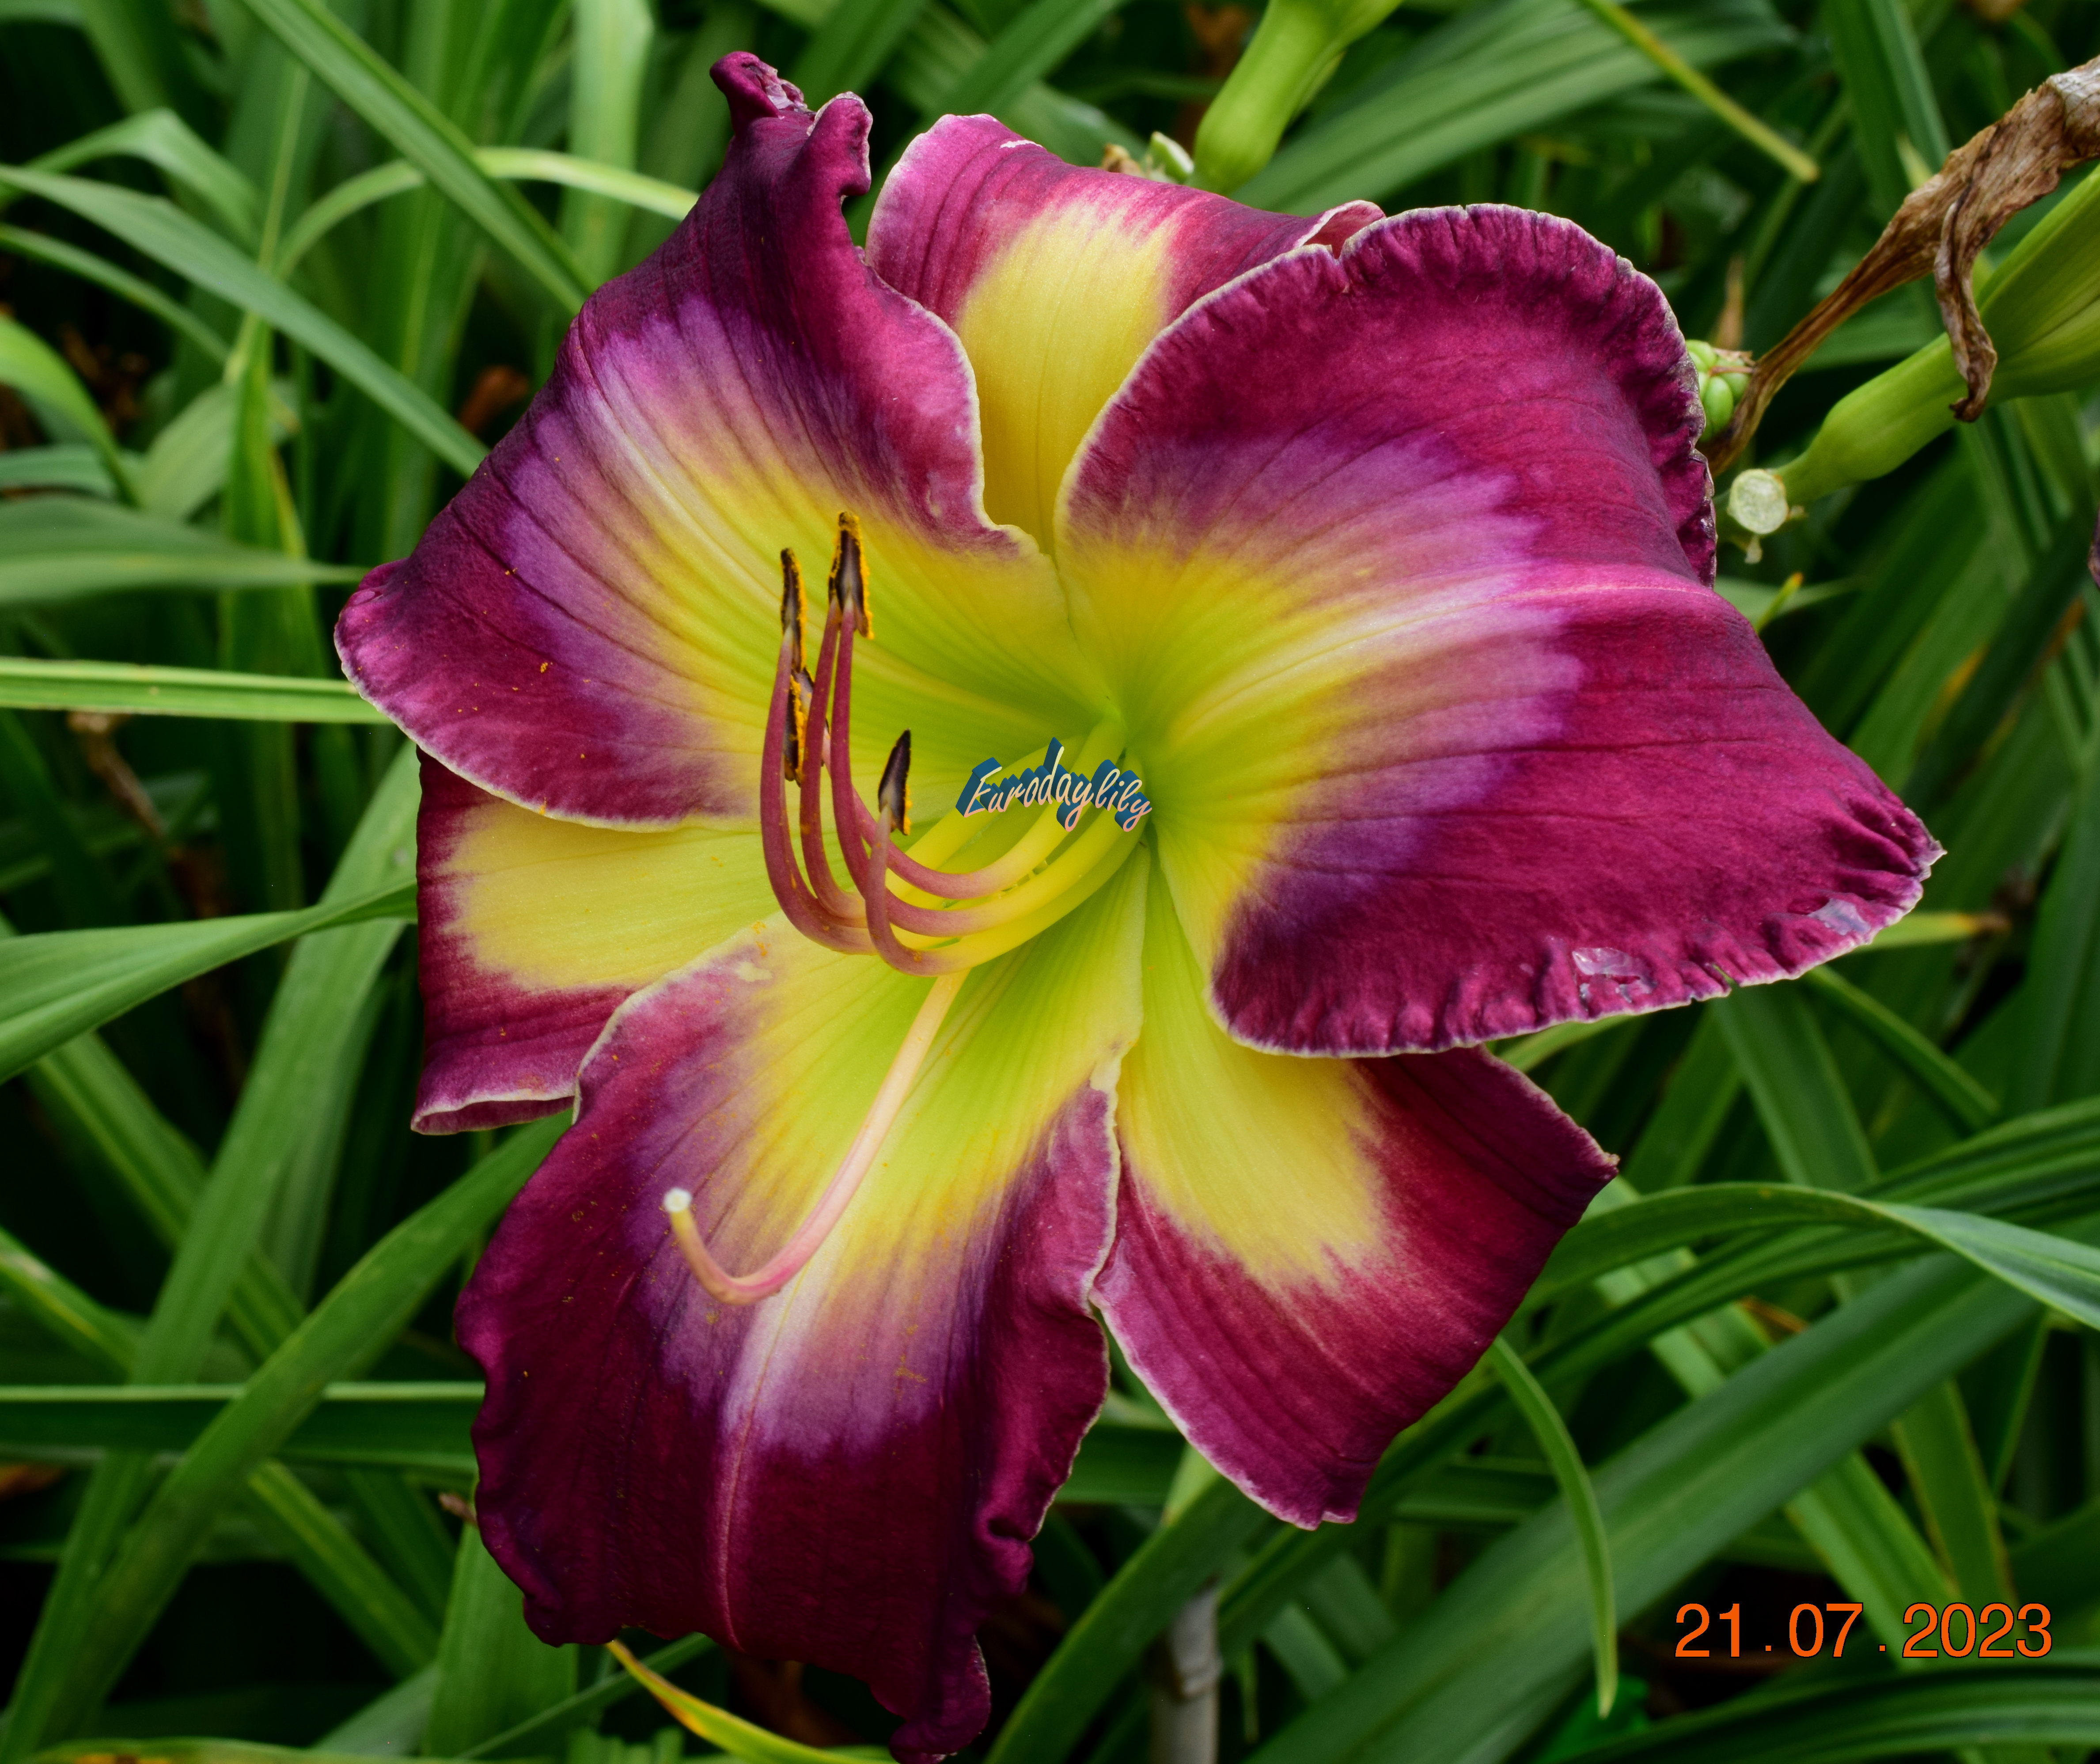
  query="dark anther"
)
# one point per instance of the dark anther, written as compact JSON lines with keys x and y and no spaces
{"x":890,"y":795}
{"x":802,"y":690}
{"x":791,"y":616}
{"x":848,"y":583}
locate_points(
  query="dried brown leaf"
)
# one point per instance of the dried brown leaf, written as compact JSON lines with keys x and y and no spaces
{"x":1941,"y":230}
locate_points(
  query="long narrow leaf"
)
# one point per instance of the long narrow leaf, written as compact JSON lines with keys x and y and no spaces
{"x":1967,"y":1103}
{"x":428,"y":138}
{"x":59,"y":984}
{"x":1830,"y":1723}
{"x":164,"y":140}
{"x":1558,"y":1447}
{"x":139,"y":690}
{"x":737,"y":1737}
{"x":349,"y":1328}
{"x":192,"y":249}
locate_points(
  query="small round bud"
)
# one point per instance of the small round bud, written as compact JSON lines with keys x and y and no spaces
{"x":1718,"y":398}
{"x":1706,"y":355}
{"x":1758,"y":502}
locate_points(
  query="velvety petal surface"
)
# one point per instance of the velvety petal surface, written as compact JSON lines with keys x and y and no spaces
{"x":590,"y":627}
{"x":532,"y":932}
{"x":1398,"y":561}
{"x":1056,"y":277}
{"x":846,"y":1473}
{"x":1310,"y":1252}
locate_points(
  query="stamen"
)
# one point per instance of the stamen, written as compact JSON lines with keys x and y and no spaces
{"x":844,"y":908}
{"x":1043,"y":875}
{"x":802,"y":911}
{"x":793,"y":618}
{"x":848,"y":583}
{"x":891,"y":791}
{"x":748,"y":1289}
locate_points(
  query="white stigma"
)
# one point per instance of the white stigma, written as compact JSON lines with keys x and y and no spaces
{"x":678,"y":1200}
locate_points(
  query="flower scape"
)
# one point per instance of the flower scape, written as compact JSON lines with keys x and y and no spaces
{"x":1379,"y":550}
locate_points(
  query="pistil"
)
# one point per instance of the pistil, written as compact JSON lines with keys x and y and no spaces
{"x":763,"y":1281}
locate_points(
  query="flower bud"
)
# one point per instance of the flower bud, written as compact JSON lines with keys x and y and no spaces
{"x":1292,"y":51}
{"x":1723,"y":375}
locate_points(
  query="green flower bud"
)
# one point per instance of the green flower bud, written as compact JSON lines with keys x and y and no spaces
{"x":1719,"y":397}
{"x":1723,"y":375}
{"x":2042,"y":310}
{"x":1292,"y":50}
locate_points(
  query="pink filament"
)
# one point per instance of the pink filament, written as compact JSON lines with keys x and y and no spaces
{"x":748,"y":1289}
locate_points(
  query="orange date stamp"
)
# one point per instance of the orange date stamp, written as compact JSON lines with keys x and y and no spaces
{"x":1983,"y":1633}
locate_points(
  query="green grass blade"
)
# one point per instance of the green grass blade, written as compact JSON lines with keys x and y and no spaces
{"x":531,"y":164}
{"x":851,"y":49}
{"x":98,"y":1335}
{"x":88,"y":1088}
{"x":141,"y":52}
{"x":1878,"y":55}
{"x":738,"y":1738}
{"x":425,"y":136}
{"x":402,"y":1524}
{"x":423,"y":1425}
{"x":60,"y":984}
{"x":54,"y":549}
{"x":541,"y":1731}
{"x":2022,"y":639}
{"x":86,"y":897}
{"x":165,"y":142}
{"x":1063,"y":1699}
{"x":1495,"y":71}
{"x":1945,"y":1472}
{"x":1967,"y":1103}
{"x":940,"y":49}
{"x":609,"y":50}
{"x":519,"y":164}
{"x":1758,"y":133}
{"x":383,"y":1617}
{"x":136,"y":689}
{"x":40,"y":374}
{"x":303,"y":1055}
{"x":190,"y":248}
{"x":1558,"y":1447}
{"x":1505,"y":1642}
{"x":121,"y":282}
{"x":1867,"y":1543}
{"x":348,"y":1329}
{"x":1831,"y":1723}
{"x":1041,"y":35}
{"x":64,"y":466}
{"x":1808,"y":1113}
{"x":2055,"y":1057}
{"x":493,"y":1672}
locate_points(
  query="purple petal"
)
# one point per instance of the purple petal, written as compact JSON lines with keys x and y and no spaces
{"x":1056,"y":277}
{"x":1403,"y":558}
{"x":846,"y":1473}
{"x":1310,"y":1252}
{"x":589,"y":627}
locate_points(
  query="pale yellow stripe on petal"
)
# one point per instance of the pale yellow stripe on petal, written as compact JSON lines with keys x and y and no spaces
{"x":1261,"y":1157}
{"x":1052,"y":328}
{"x":551,"y":903}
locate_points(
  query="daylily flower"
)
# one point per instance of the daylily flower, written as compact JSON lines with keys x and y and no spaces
{"x":1376,"y":549}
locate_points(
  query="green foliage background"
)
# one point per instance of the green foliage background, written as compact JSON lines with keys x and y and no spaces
{"x":1831,"y":1339}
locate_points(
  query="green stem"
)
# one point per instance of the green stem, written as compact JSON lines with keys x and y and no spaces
{"x":1757,"y":132}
